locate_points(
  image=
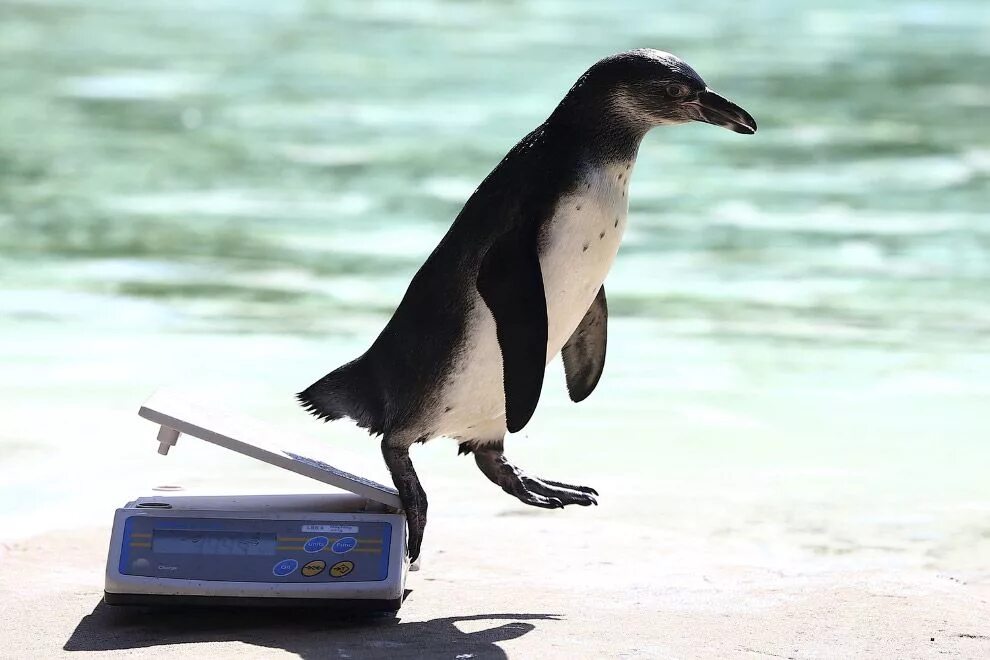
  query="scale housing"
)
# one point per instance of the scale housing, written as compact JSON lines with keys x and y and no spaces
{"x":344,"y":551}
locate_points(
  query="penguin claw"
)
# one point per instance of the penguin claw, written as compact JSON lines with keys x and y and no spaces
{"x":532,"y":498}
{"x":559,"y":492}
{"x":416,"y":522}
{"x":580,"y":489}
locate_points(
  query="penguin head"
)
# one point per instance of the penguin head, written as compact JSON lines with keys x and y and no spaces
{"x":648,"y":88}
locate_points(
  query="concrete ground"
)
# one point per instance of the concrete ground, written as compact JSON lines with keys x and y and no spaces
{"x":848,"y":524}
{"x":528,"y":584}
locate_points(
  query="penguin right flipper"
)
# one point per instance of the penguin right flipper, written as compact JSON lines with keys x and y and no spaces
{"x":584,"y":352}
{"x":511,"y":284}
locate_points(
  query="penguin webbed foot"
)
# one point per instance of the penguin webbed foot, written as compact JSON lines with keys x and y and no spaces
{"x":411,"y":493}
{"x":556,"y":493}
{"x":416,"y":522}
{"x":534,"y":491}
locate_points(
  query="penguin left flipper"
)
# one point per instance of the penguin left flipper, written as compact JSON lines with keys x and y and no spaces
{"x":584,"y":352}
{"x":511,"y":284}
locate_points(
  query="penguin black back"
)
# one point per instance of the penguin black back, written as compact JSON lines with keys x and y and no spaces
{"x":388,"y":385}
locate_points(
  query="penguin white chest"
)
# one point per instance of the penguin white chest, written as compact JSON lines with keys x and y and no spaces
{"x":578,"y":246}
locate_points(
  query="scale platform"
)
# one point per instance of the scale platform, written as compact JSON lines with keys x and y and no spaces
{"x":338,"y":550}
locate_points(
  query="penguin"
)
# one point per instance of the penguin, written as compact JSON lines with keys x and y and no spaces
{"x":517,"y":279}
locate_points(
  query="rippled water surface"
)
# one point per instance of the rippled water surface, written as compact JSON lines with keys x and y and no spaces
{"x":234,"y":195}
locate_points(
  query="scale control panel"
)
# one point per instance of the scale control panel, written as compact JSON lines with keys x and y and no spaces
{"x":255,"y":550}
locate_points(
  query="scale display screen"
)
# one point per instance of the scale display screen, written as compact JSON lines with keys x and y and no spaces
{"x":209,"y":542}
{"x":245,"y":549}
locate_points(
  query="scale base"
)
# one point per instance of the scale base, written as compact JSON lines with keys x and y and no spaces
{"x":336,"y":605}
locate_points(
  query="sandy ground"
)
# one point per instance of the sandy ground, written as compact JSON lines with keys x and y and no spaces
{"x":712,"y":549}
{"x":785,"y":525}
{"x":527,"y":584}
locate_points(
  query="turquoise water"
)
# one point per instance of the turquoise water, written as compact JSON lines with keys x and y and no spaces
{"x":234,"y":195}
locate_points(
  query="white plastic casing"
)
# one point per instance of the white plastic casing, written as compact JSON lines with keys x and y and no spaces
{"x":336,"y":508}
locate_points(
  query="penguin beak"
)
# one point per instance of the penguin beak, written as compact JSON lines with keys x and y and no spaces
{"x":713,"y":108}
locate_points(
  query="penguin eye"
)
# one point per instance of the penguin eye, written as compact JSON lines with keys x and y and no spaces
{"x":677,"y":91}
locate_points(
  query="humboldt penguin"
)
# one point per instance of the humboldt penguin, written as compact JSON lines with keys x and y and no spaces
{"x":517,"y":279}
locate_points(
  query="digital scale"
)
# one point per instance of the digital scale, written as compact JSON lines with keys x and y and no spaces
{"x":344,"y":550}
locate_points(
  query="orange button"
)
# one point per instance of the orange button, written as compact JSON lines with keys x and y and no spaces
{"x":341,"y":568}
{"x":314,"y":567}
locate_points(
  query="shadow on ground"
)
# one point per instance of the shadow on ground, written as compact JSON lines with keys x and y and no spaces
{"x":307,"y":633}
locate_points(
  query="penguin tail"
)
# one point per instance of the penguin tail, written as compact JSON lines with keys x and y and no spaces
{"x":344,"y":392}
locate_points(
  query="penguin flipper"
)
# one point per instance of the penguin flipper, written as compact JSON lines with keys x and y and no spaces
{"x":584,"y":352}
{"x":511,"y":284}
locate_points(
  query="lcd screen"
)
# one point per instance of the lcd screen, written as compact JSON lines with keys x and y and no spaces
{"x":204,"y":542}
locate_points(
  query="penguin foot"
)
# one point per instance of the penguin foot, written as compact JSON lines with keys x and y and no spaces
{"x":580,"y":489}
{"x":528,"y":490}
{"x":555,"y":491}
{"x":410,"y":492}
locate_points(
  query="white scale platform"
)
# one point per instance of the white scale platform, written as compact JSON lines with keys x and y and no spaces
{"x":339,"y":550}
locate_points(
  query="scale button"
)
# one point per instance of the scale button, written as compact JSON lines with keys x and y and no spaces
{"x":285,"y":567}
{"x":341,"y":568}
{"x":316,"y":544}
{"x":343,"y":545}
{"x":314,"y":567}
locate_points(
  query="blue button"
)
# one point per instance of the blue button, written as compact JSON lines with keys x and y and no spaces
{"x":343,"y":545}
{"x":285,"y":567}
{"x":316,"y":544}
